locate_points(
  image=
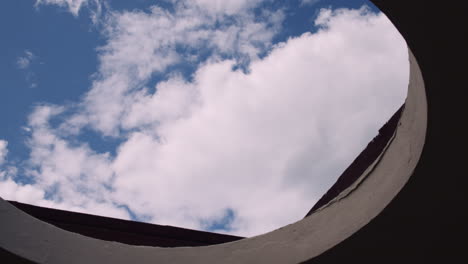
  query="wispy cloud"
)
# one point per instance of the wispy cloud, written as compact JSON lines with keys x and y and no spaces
{"x":141,"y":44}
{"x":24,"y":61}
{"x":73,"y":6}
{"x":3,"y":150}
{"x":308,"y":2}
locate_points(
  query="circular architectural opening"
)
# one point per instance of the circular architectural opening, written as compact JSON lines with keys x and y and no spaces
{"x":231,"y":118}
{"x":294,"y":243}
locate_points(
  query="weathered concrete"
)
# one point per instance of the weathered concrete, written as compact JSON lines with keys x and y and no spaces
{"x":40,"y":242}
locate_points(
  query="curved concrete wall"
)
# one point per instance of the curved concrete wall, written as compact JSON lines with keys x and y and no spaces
{"x":40,"y":242}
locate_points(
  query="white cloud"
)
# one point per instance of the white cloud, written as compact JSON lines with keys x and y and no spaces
{"x":269,"y":139}
{"x":3,"y":150}
{"x":227,"y":7}
{"x":35,"y":195}
{"x":64,"y":176}
{"x":75,"y":168}
{"x":24,"y":61}
{"x":141,"y":44}
{"x":308,"y":2}
{"x":275,"y":137}
{"x":211,"y":7}
{"x":73,"y":6}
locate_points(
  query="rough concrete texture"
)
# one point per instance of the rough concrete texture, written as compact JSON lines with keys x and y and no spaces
{"x":40,"y":242}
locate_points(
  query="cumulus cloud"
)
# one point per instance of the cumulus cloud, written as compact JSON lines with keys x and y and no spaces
{"x":69,"y":173}
{"x":63,"y":176}
{"x":11,"y":190}
{"x":225,"y":143}
{"x":269,"y":139}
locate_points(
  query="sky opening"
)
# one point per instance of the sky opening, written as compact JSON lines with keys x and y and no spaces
{"x":230,"y":116}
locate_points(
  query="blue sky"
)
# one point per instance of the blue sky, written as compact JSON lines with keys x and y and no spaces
{"x":170,"y":111}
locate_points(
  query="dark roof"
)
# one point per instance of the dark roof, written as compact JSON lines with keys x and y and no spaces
{"x":361,"y":162}
{"x":124,"y":231}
